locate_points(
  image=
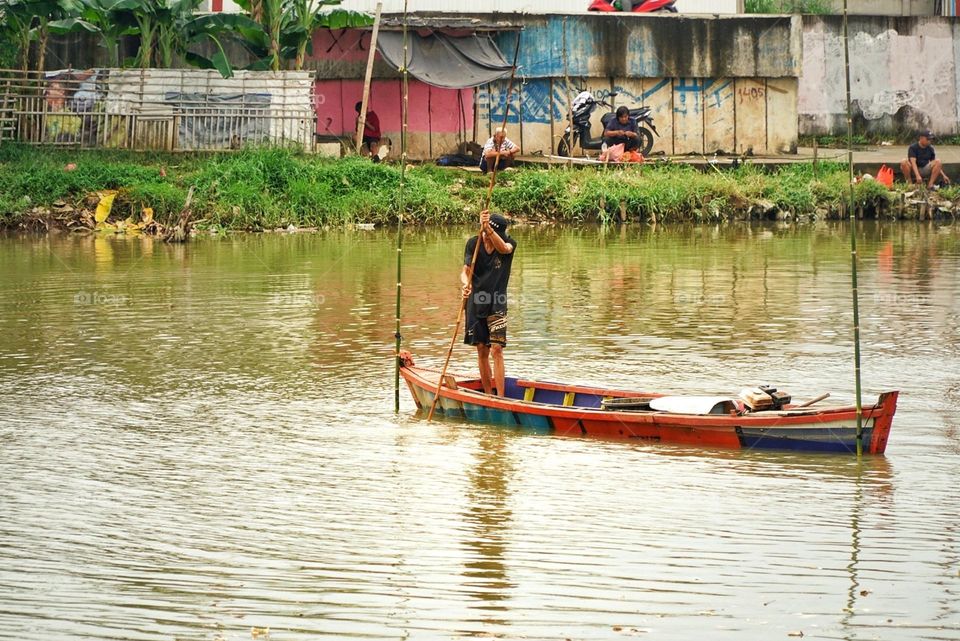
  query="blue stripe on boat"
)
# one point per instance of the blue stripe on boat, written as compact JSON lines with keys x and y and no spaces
{"x":810,"y":440}
{"x":539,"y":424}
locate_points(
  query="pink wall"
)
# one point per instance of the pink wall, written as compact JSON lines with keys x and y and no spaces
{"x":432,"y":109}
{"x":436,"y":116}
{"x":348,"y":45}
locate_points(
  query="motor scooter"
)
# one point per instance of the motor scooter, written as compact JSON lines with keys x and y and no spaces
{"x":583,"y":106}
{"x":636,"y":6}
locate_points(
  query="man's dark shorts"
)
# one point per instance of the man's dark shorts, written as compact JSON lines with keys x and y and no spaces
{"x":491,"y":330}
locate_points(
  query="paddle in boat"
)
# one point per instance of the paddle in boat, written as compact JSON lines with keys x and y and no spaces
{"x":758,"y":418}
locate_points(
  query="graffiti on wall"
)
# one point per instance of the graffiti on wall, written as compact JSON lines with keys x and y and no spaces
{"x":543,"y":102}
{"x":692,"y":115}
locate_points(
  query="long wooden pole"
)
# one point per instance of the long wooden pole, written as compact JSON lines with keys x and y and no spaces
{"x":853,"y":238}
{"x":566,"y":82}
{"x":476,"y":249}
{"x":362,"y":120}
{"x":403,"y":184}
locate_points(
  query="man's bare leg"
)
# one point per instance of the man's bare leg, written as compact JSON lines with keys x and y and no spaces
{"x":483,"y":361}
{"x":907,"y":171}
{"x":936,"y":168}
{"x":499,"y":370}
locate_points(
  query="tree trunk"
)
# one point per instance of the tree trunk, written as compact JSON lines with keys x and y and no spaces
{"x":275,"y":48}
{"x":112,"y":47}
{"x":42,"y":44}
{"x":301,"y":56}
{"x":24,"y":51}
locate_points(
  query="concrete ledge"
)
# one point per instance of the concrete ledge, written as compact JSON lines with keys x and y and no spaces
{"x":886,"y":7}
{"x":867,"y":160}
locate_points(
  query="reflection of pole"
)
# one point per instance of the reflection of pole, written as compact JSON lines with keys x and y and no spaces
{"x":853,"y":239}
{"x":854,"y":546}
{"x":403,"y":184}
{"x":362,"y":120}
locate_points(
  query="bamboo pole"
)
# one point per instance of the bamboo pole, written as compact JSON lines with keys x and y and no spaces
{"x":476,"y":249}
{"x":566,"y":80}
{"x":816,"y":175}
{"x":362,"y":120}
{"x":853,"y":238}
{"x":403,"y":183}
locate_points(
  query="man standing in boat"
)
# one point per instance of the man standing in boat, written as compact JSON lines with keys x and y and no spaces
{"x":486,"y":292}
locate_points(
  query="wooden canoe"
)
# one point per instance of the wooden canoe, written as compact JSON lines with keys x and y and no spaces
{"x":576,"y":410}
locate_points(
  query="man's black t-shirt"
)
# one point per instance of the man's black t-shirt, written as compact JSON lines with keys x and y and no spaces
{"x":923,"y":154}
{"x":490,"y":278}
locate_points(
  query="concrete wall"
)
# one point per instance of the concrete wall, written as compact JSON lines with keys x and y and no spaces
{"x":731,"y":86}
{"x":885,"y":7}
{"x":692,"y":115}
{"x":905,"y":75}
{"x":655,"y":46}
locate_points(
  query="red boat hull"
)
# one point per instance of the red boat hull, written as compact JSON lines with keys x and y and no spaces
{"x":571,"y":410}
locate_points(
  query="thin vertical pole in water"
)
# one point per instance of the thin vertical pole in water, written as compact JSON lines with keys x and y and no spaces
{"x":853,"y":238}
{"x":403,"y":184}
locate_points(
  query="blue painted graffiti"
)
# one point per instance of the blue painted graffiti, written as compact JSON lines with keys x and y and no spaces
{"x":541,"y":48}
{"x":534,"y":100}
{"x":718,"y":94}
{"x":688,"y":97}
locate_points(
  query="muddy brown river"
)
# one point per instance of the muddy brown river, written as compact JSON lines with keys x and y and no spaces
{"x":198,"y":442}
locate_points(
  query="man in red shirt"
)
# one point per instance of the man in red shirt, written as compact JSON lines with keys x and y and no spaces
{"x":371,"y":132}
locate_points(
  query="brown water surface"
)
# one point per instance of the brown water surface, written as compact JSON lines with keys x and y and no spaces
{"x":198,"y":442}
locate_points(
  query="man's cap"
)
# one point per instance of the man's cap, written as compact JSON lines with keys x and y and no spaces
{"x":926,"y":133}
{"x":498,"y":223}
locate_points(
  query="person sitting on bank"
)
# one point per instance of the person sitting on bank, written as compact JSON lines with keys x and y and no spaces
{"x":499,"y":142}
{"x":371,"y":132}
{"x":622,"y":131}
{"x":922,"y":164}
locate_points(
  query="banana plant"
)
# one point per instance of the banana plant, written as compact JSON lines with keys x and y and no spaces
{"x":172,"y":28}
{"x":18,"y":22}
{"x":309,"y":15}
{"x":26,"y":21}
{"x":193,"y":31}
{"x":288,"y":27}
{"x":110,"y":20}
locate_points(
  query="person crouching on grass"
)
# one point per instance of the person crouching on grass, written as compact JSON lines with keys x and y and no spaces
{"x":485,"y":289}
{"x":498,"y":144}
{"x":922,"y":164}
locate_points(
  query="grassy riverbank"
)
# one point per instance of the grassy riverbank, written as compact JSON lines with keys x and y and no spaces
{"x":272,"y":188}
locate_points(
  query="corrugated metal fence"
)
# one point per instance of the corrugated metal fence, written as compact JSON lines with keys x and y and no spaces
{"x":162,"y":109}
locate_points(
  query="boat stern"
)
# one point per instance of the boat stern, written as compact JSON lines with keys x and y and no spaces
{"x":883,"y":413}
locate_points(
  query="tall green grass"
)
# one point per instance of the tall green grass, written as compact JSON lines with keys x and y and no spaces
{"x":269,"y":188}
